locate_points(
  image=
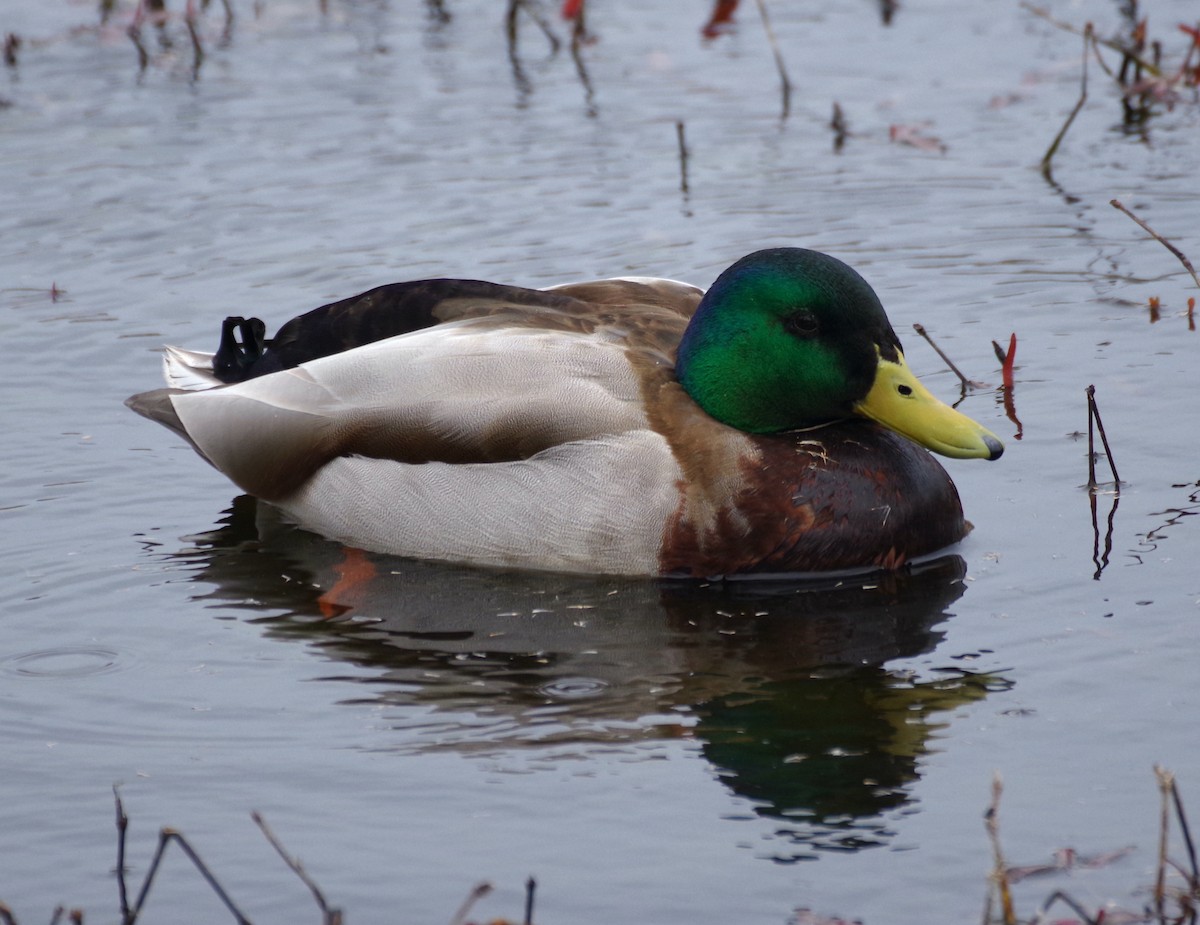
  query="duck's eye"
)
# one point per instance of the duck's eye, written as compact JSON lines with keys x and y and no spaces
{"x":904,"y":389}
{"x":801,"y":324}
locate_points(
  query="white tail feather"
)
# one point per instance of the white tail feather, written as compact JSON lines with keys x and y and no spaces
{"x":188,"y":369}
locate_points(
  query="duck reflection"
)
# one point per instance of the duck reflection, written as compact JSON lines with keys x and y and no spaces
{"x":781,"y":684}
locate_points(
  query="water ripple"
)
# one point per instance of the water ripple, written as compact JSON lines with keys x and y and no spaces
{"x":62,"y":662}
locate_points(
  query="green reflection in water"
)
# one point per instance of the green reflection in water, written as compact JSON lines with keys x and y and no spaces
{"x":783,"y":685}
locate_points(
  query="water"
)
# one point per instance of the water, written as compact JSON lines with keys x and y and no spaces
{"x":663,"y":753}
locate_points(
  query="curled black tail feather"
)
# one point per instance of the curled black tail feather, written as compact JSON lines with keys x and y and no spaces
{"x":235,"y":358}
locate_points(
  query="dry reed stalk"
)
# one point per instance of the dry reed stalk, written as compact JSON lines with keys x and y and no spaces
{"x":683,"y":156}
{"x":784,"y":81}
{"x":1088,"y":38}
{"x":331,"y":916}
{"x":999,"y":874}
{"x":1094,"y":424}
{"x":1117,"y":204}
{"x":967,"y":384}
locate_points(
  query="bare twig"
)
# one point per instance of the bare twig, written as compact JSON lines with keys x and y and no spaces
{"x":530,"y":887}
{"x":785,"y":82}
{"x":999,"y":875}
{"x":122,"y":826}
{"x":524,"y":87}
{"x":135,"y":34}
{"x":1091,"y":483}
{"x":683,"y":157}
{"x":840,"y":129}
{"x":579,"y":37}
{"x":477,"y":893}
{"x":1117,"y":204}
{"x":332,"y":916}
{"x":1088,"y":38}
{"x":227,"y":31}
{"x":12,"y":42}
{"x":966,"y":383}
{"x":189,"y":18}
{"x":1094,"y":417}
{"x":1185,"y":829}
{"x":1060,"y":896}
{"x":1107,"y":43}
{"x":1165,"y":780}
{"x":1100,"y":60}
{"x":511,"y":22}
{"x":514,"y":7}
{"x":165,"y":837}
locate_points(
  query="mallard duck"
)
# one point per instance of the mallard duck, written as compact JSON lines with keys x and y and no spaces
{"x":622,"y":426}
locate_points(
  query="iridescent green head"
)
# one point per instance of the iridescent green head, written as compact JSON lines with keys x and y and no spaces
{"x":789,"y":338}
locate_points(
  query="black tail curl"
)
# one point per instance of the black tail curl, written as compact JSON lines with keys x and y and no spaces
{"x":235,"y":359}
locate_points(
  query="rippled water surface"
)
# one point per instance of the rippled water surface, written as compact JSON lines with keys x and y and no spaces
{"x":651,"y":752}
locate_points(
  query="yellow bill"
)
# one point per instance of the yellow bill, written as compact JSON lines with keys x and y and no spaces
{"x":898,"y":401}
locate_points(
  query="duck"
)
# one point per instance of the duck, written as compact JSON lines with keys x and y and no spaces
{"x":630,"y":426}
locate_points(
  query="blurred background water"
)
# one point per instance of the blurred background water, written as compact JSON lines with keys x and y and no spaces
{"x":653,"y":752}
